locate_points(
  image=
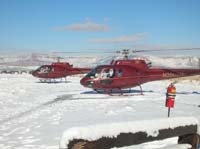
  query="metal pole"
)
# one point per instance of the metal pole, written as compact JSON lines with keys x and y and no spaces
{"x":168,"y":111}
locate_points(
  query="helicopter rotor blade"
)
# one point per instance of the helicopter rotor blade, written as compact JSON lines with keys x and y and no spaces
{"x":56,"y":54}
{"x":164,"y":50}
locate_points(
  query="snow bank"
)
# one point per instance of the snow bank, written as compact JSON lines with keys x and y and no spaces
{"x":37,"y":59}
{"x":111,"y":130}
{"x":174,"y":61}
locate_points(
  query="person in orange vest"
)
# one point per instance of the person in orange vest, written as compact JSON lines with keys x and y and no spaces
{"x":170,"y":95}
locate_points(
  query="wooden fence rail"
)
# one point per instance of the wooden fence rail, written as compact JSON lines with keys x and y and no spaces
{"x":187,"y":135}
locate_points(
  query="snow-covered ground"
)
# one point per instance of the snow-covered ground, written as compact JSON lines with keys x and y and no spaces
{"x":34,"y":115}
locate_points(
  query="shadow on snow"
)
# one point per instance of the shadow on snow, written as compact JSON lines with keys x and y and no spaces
{"x":117,"y":92}
{"x":56,"y":82}
{"x":189,"y":93}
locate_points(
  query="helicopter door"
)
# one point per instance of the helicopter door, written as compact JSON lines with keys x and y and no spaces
{"x":106,"y":75}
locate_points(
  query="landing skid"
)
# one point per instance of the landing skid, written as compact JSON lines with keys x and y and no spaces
{"x":57,"y":80}
{"x":120,"y":92}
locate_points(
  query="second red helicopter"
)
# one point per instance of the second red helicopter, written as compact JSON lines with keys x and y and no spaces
{"x":57,"y":70}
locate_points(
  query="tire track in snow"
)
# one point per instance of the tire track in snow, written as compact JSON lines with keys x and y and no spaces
{"x":66,"y":97}
{"x":48,"y":103}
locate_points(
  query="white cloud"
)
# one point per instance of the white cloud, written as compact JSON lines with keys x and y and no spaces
{"x":122,"y":39}
{"x":88,"y":26}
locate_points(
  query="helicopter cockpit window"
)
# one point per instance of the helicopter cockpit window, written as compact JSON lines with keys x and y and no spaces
{"x":149,"y":64}
{"x":45,"y":69}
{"x":94,"y":73}
{"x":120,"y":73}
{"x":111,"y":72}
{"x":108,"y":73}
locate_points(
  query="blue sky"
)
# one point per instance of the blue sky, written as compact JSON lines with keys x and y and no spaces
{"x":73,"y":25}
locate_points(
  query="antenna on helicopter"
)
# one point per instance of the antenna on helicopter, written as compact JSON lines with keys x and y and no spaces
{"x":58,"y":58}
{"x":124,"y":52}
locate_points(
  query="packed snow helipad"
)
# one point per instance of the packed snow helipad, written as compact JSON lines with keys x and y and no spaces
{"x":34,"y":115}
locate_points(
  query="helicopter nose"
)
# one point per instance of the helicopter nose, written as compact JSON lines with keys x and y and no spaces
{"x":83,"y":81}
{"x":34,"y":73}
{"x":87,"y":82}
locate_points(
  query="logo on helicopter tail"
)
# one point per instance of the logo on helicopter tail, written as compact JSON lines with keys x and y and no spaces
{"x":172,"y":75}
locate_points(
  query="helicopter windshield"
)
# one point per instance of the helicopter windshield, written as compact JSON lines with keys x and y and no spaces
{"x":94,"y":73}
{"x":107,"y":73}
{"x":44,"y":69}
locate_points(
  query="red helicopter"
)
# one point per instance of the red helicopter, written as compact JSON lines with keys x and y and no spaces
{"x":123,"y":74}
{"x":48,"y":73}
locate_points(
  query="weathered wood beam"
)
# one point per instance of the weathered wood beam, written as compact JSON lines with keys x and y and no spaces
{"x":127,"y":139}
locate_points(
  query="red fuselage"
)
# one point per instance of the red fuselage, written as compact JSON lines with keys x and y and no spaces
{"x":58,"y":70}
{"x":130,"y":73}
